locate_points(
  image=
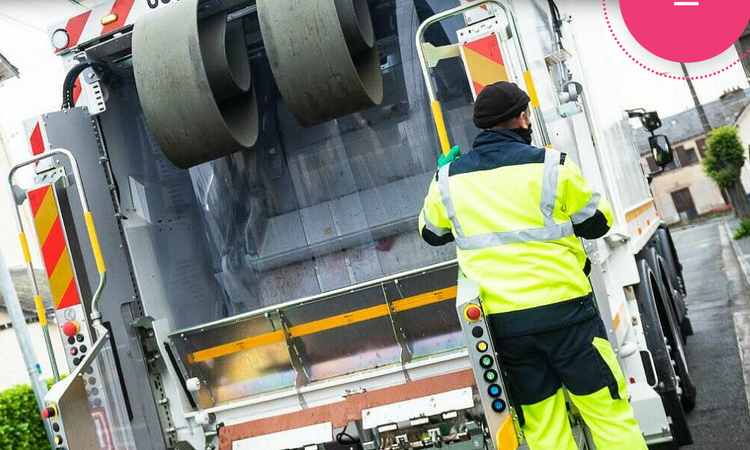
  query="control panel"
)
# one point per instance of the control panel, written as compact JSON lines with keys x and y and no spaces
{"x":487,"y":371}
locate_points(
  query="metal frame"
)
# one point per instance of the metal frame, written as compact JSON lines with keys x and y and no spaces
{"x":437,"y":112}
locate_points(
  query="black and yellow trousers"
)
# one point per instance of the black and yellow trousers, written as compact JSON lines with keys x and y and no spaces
{"x":579,"y":358}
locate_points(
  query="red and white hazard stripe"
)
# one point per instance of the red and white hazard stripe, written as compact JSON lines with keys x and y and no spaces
{"x":88,"y":25}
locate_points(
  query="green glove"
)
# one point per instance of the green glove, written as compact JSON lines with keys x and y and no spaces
{"x":452,"y":155}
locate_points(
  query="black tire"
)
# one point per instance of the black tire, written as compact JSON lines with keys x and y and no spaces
{"x":673,"y":270}
{"x":646,"y":293}
{"x":665,"y":247}
{"x":666,"y":297}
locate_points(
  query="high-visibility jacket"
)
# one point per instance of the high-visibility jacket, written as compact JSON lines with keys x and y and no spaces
{"x":516,"y":213}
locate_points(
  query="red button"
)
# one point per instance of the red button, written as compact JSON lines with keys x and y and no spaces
{"x":70,"y":329}
{"x":49,"y":412}
{"x":473,"y":312}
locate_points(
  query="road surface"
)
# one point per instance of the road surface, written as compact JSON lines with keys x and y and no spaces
{"x":721,"y":419}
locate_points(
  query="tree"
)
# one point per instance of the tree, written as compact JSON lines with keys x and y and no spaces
{"x":723,"y":163}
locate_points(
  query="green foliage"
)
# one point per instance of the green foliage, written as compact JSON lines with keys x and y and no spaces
{"x":743,"y":231}
{"x":725,"y":156}
{"x":21,"y":426}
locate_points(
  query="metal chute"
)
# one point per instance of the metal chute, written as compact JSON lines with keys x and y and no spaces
{"x":323,"y":56}
{"x":195,"y":84}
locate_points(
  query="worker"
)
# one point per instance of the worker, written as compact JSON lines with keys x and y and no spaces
{"x":516,"y":213}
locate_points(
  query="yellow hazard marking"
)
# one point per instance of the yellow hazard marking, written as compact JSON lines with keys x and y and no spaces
{"x":46,"y":216}
{"x":24,"y":247}
{"x":61,"y":277}
{"x":437,"y":115}
{"x":40,"y":310}
{"x":506,"y":437}
{"x":94,"y":242}
{"x":483,"y":70}
{"x":328,"y":323}
{"x":531,"y":89}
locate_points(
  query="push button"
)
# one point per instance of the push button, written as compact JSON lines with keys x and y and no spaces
{"x":482,"y":346}
{"x":498,"y":405}
{"x":486,"y":361}
{"x":494,"y":390}
{"x":49,"y":412}
{"x":70,"y":328}
{"x":472,"y":312}
{"x":490,"y":376}
{"x":58,"y":440}
{"x":477,"y":332}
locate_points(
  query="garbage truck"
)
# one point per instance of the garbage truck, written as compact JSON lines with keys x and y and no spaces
{"x":226,"y":207}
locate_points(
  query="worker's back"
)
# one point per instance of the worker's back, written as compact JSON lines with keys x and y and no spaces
{"x":514,"y":211}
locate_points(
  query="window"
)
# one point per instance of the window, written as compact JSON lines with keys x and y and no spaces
{"x":687,"y":156}
{"x":652,"y":167}
{"x":701,"y":143}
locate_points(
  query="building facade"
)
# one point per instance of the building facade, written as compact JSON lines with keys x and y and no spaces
{"x":682,"y":189}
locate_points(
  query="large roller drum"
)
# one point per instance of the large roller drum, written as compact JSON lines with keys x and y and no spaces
{"x":323,"y":56}
{"x":194,"y":83}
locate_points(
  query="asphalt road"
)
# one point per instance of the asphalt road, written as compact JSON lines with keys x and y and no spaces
{"x":721,"y":419}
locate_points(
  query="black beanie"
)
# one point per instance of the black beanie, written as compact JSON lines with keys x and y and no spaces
{"x":499,"y":102}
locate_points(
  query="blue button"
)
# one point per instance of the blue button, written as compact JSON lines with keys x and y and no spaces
{"x":498,"y":405}
{"x":494,"y":390}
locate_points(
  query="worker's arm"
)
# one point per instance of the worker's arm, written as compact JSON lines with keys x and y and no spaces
{"x":589,"y":211}
{"x":434,"y":224}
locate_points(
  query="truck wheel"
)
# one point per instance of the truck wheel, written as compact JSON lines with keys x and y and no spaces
{"x":665,"y":248}
{"x":677,"y":351}
{"x":668,"y":386}
{"x":673,"y":335}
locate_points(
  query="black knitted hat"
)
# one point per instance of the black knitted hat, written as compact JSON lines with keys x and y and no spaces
{"x":499,"y":102}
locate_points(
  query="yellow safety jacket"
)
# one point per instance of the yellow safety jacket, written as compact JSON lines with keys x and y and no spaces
{"x":516,"y":213}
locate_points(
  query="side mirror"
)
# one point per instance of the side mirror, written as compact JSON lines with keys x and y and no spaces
{"x":651,"y":120}
{"x":661,"y":149}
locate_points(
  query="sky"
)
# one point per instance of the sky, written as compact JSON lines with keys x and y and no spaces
{"x":24,"y":42}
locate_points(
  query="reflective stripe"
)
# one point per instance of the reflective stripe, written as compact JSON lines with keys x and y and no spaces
{"x":549,"y":233}
{"x":587,"y":211}
{"x":445,"y":195}
{"x":549,"y":185}
{"x":436,"y":230}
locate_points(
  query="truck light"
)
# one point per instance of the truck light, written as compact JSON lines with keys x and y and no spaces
{"x":60,"y":39}
{"x":108,"y":19}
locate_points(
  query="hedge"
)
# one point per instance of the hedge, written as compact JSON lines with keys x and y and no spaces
{"x":21,"y":426}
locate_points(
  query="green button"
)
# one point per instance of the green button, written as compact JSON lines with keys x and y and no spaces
{"x":485,"y":362}
{"x":490,"y":376}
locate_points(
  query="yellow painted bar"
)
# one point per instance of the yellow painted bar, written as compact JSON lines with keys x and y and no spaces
{"x":24,"y":247}
{"x":94,"y":242}
{"x":531,"y":88}
{"x":507,"y":439}
{"x":437,"y":115}
{"x":40,"y":310}
{"x":328,"y":323}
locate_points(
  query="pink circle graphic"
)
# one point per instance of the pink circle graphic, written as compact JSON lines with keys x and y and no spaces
{"x":686,"y":31}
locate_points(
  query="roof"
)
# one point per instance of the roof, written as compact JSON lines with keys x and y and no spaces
{"x":23,"y":289}
{"x":687,"y":125}
{"x":7,"y":70}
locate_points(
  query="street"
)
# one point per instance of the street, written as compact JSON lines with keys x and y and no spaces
{"x":721,"y":419}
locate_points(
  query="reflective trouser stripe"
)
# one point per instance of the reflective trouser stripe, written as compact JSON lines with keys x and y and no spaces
{"x":587,"y":211}
{"x":549,"y":232}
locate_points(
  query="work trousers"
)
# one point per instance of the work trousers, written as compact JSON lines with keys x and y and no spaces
{"x":579,"y":358}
